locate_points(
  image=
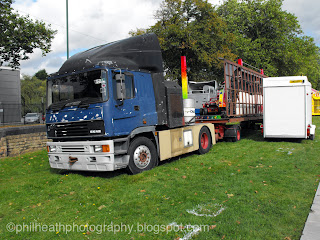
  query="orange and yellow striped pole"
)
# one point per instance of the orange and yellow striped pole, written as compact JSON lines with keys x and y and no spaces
{"x":184,"y":78}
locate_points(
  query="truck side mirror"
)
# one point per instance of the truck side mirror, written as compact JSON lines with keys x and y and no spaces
{"x":121,"y":87}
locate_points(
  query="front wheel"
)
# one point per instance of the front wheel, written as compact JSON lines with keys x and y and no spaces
{"x":143,"y":155}
{"x":205,"y":141}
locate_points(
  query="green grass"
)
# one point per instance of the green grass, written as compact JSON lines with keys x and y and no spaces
{"x":266,"y":189}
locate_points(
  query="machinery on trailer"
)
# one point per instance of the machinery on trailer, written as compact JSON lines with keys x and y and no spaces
{"x":110,"y":108}
{"x":202,"y":92}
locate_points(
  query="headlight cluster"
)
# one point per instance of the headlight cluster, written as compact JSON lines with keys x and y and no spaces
{"x":101,"y":148}
{"x":51,"y":148}
{"x":98,"y":148}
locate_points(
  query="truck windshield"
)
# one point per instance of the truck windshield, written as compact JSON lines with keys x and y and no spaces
{"x":85,"y":88}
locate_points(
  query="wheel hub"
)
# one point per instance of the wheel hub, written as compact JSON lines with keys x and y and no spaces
{"x":142,"y":156}
{"x":204,"y":140}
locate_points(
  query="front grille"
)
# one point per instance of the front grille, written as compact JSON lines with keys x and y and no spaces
{"x":72,"y":149}
{"x":76,"y":129}
{"x":72,"y":129}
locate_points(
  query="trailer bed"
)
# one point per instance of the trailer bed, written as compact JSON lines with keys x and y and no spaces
{"x":229,"y":120}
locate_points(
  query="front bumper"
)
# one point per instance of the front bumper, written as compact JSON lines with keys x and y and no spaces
{"x":80,"y":156}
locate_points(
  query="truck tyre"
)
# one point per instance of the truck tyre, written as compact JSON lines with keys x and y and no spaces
{"x":238,"y":135}
{"x":232,"y":133}
{"x":143,"y":155}
{"x":311,"y":137}
{"x":205,"y":140}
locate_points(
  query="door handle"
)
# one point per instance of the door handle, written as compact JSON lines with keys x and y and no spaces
{"x":136,"y":108}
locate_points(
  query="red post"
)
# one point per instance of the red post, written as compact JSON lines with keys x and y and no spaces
{"x":240,"y":62}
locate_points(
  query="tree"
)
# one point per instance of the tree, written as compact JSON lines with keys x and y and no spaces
{"x":191,"y":28}
{"x":41,"y":74}
{"x":270,"y":38}
{"x":20,"y":36}
{"x":33,"y":94}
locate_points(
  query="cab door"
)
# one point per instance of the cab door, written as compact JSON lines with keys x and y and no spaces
{"x":126,"y":104}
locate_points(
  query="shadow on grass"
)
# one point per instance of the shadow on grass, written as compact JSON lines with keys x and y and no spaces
{"x":291,"y":140}
{"x":257,"y":136}
{"x":251,"y":134}
{"x":174,"y":159}
{"x":91,"y":174}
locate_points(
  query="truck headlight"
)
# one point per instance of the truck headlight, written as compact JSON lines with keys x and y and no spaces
{"x":101,"y":148}
{"x":51,"y":148}
{"x":97,"y":148}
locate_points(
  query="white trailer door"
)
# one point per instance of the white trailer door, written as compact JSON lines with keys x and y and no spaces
{"x":284,"y":112}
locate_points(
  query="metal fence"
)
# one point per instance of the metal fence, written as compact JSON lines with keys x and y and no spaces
{"x":243,"y":90}
{"x":11,"y":113}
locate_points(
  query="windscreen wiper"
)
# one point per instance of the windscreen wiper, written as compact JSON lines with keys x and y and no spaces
{"x":58,"y":106}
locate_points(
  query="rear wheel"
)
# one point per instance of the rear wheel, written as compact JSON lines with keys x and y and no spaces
{"x":311,"y":136}
{"x":238,"y":136}
{"x":143,"y":155}
{"x":232,"y":133}
{"x":205,"y":141}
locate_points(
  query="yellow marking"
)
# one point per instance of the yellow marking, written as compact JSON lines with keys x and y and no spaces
{"x":296,"y":81}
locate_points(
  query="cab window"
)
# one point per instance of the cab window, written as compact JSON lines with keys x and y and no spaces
{"x":126,"y":85}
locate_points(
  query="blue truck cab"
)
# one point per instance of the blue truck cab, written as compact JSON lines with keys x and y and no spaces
{"x":108,"y":106}
{"x":91,"y":104}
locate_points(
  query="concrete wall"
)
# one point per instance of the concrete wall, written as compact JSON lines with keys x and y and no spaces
{"x":20,"y":140}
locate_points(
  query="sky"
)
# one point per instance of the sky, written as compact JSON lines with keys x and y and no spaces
{"x":97,"y":22}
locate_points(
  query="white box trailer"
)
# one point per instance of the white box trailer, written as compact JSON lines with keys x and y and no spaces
{"x":287,"y":108}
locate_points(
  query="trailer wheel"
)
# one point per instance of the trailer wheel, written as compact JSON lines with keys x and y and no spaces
{"x":143,"y":155}
{"x":238,"y":136}
{"x":205,"y":141}
{"x":232,"y":133}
